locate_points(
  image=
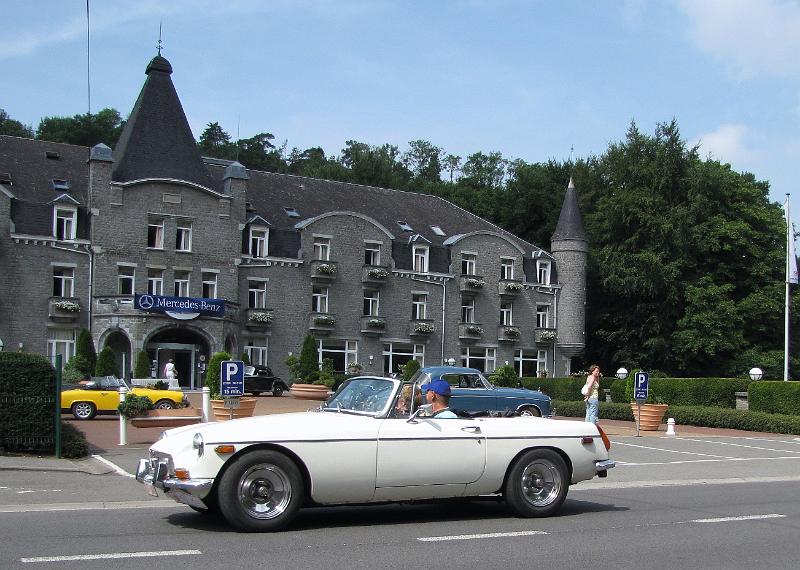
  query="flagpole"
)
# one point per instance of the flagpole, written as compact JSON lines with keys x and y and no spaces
{"x":789,"y":252}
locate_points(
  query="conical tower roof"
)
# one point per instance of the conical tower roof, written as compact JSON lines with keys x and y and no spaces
{"x":157,"y":141}
{"x":570,"y":221}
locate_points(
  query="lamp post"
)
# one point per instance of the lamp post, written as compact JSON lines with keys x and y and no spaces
{"x":756,"y":374}
{"x":622,"y":373}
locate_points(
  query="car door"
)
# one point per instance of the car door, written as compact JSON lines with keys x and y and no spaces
{"x":106,"y":397}
{"x":429,"y":451}
{"x":469,"y":393}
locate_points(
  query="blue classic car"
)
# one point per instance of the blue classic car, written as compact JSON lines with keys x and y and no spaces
{"x":471,"y":392}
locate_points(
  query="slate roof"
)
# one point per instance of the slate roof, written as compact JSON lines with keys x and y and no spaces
{"x":570,"y":221}
{"x":157,"y":141}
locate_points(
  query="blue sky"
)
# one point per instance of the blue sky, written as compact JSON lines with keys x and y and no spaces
{"x":530,"y":79}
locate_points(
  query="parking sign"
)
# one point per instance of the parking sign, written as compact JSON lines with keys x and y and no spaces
{"x":641,"y":386}
{"x":232,"y":375}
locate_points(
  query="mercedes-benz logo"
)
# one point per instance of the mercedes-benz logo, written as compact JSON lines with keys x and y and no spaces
{"x":146,"y":302}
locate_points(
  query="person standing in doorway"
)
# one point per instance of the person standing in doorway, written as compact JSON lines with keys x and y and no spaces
{"x":591,"y":391}
{"x":169,"y":370}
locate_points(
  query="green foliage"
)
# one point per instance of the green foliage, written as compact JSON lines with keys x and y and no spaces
{"x":244,"y":357}
{"x":73,"y":442}
{"x":106,"y":363}
{"x":75,"y":370}
{"x":293,"y":363}
{"x":160,"y":385}
{"x":308,"y":369}
{"x":505,"y":376}
{"x":135,"y":406}
{"x":142,"y":367}
{"x":84,"y":347}
{"x":9,"y":126}
{"x":326,"y":375}
{"x":568,"y":388}
{"x":410,"y":368}
{"x":27,"y":398}
{"x":85,"y":130}
{"x":213,"y":373}
{"x":774,"y":397}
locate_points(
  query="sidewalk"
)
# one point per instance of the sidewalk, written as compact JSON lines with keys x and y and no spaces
{"x":102,"y":433}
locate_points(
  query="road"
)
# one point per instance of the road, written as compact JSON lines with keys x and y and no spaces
{"x":694,"y":502}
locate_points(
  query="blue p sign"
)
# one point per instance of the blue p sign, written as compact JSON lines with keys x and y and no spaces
{"x":641,"y":386}
{"x":232,"y":375}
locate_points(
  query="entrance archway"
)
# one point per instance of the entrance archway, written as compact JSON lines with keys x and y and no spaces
{"x":120,"y":344}
{"x":184,"y":346}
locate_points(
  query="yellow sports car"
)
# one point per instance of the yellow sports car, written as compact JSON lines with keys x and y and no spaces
{"x":102,"y":396}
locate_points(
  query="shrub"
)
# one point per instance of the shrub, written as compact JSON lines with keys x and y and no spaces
{"x":326,"y":376}
{"x":84,"y":347}
{"x":142,"y":367}
{"x":78,"y":366}
{"x":308,"y":370}
{"x":774,"y":397}
{"x":135,"y":406}
{"x":160,"y":385}
{"x":410,"y":368}
{"x":293,"y":363}
{"x":505,"y":376}
{"x":715,"y":392}
{"x":73,"y":442}
{"x":213,"y":374}
{"x":27,"y":400}
{"x":106,"y":363}
{"x":245,"y":358}
{"x":568,"y":388}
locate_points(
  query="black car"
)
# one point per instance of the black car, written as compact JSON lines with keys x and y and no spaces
{"x":259,"y":379}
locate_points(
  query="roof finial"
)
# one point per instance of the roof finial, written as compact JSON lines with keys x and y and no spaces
{"x":159,"y":37}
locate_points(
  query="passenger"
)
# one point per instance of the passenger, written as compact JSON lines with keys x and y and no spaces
{"x":437,"y":393}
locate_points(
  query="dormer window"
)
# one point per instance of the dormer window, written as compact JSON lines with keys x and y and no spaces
{"x":5,"y":178}
{"x":543,"y":271}
{"x":65,"y":223}
{"x":61,"y":185}
{"x":322,"y":248}
{"x":438,"y":231}
{"x":52,"y":155}
{"x":404,"y":226}
{"x":291,"y":212}
{"x":258,"y":241}
{"x":506,"y":268}
{"x":420,"y":254}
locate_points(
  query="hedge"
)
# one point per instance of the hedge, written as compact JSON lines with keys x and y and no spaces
{"x":774,"y":397}
{"x":27,"y":400}
{"x":568,"y":388}
{"x":713,"y":417}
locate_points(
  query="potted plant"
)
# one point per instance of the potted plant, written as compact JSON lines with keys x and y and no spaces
{"x":648,"y":415}
{"x":246,"y":405}
{"x":140,"y":411}
{"x":307,"y":372}
{"x":354,"y":368}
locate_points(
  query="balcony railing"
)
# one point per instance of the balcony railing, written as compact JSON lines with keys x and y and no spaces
{"x":63,"y":309}
{"x":508,"y":333}
{"x":470,"y":331}
{"x":373,"y":325}
{"x":321,"y":323}
{"x":259,"y":319}
{"x":375,"y":275}
{"x":323,"y":271}
{"x":510,"y":288}
{"x":421,"y":327}
{"x":545,"y":336}
{"x":471,"y":284}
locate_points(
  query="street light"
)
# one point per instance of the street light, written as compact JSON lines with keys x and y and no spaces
{"x":622,"y":373}
{"x":756,"y":374}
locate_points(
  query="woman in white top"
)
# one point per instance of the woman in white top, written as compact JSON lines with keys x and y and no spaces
{"x":591,"y":391}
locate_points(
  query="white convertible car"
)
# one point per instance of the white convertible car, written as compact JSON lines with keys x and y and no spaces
{"x":369,"y":443}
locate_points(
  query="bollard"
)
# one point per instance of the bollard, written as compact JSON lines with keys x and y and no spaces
{"x":123,"y":422}
{"x":671,"y":427}
{"x":206,"y":403}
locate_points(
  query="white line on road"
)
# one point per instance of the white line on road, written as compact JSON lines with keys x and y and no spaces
{"x":110,"y":556}
{"x":91,"y":506}
{"x":597,"y":485}
{"x":117,"y":469}
{"x":673,"y":450}
{"x":486,"y":535}
{"x":639,"y":464}
{"x":741,"y":445}
{"x":743,"y":518}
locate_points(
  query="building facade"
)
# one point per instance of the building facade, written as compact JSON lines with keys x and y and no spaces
{"x":153,"y":247}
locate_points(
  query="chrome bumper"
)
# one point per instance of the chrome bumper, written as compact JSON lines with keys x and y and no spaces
{"x":603,"y":466}
{"x":154,"y":473}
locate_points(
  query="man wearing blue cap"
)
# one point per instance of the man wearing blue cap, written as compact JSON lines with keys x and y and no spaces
{"x":437,"y":394}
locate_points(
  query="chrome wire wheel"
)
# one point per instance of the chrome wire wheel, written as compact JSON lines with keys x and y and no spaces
{"x":265,"y":491}
{"x":541,"y":483}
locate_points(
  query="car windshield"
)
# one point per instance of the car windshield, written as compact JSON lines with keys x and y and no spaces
{"x":363,"y":395}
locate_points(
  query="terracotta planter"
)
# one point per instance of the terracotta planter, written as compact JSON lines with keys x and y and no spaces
{"x":309,"y":391}
{"x":651,"y":415}
{"x":168,"y":418}
{"x":246,"y":408}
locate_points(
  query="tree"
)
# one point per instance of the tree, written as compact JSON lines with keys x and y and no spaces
{"x":258,"y":153}
{"x":308,"y":370}
{"x":213,"y":374}
{"x":452,"y":163}
{"x":482,"y":171}
{"x":84,"y":347}
{"x":313,"y":163}
{"x":106,"y":363}
{"x":424,"y":161}
{"x":215,"y":142}
{"x":9,"y":126}
{"x":375,"y":166}
{"x":85,"y":130}
{"x":142,"y":367}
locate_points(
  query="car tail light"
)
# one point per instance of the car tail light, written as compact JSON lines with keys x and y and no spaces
{"x":606,"y":441}
{"x":181,"y":473}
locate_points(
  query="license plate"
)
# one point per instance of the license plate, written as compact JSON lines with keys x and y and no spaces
{"x":150,"y":489}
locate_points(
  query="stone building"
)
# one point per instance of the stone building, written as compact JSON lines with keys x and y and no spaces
{"x":153,"y":247}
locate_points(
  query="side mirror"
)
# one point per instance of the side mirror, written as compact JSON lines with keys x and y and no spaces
{"x":413,"y":418}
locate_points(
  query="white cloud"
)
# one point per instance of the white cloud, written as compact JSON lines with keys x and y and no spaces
{"x":729,"y":143}
{"x":751,"y":37}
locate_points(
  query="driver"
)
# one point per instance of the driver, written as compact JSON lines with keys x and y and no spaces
{"x":437,"y":394}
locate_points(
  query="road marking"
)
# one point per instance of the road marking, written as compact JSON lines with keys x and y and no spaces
{"x":743,"y":518}
{"x":597,"y":485}
{"x":110,"y":556}
{"x":741,"y":445}
{"x":117,"y":469}
{"x":645,"y":463}
{"x":486,"y":535}
{"x":674,"y":450}
{"x":96,"y":506}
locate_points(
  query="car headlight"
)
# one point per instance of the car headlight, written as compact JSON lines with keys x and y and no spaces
{"x":197,"y":443}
